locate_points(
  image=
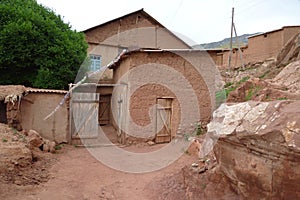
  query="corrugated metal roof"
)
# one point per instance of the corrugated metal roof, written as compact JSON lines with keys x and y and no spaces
{"x":36,"y":90}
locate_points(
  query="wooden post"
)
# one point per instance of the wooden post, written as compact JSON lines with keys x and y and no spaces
{"x":240,"y":52}
{"x":230,"y":53}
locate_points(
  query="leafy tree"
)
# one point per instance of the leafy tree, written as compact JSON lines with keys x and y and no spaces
{"x":36,"y":47}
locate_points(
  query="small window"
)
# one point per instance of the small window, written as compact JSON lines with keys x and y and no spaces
{"x":95,"y":62}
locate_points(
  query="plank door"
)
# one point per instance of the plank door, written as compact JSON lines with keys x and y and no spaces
{"x":163,"y":119}
{"x":84,"y":115}
{"x":104,"y":110}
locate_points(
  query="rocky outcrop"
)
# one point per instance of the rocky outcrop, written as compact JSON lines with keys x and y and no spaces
{"x":286,"y":86}
{"x":258,"y":148}
{"x":289,"y":77}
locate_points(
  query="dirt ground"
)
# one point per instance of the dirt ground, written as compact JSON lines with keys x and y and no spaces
{"x":76,"y":174}
{"x":73,"y":173}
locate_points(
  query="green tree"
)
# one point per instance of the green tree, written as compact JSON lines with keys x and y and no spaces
{"x":36,"y":47}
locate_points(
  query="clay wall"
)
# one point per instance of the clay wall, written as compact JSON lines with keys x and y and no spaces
{"x":134,"y":30}
{"x":36,"y":106}
{"x":142,"y":99}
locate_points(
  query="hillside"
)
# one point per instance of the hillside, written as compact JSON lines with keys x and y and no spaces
{"x":225,"y":43}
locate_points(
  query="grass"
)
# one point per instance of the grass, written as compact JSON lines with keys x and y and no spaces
{"x":220,"y":97}
{"x":243,"y":80}
{"x":15,"y":132}
{"x":199,"y":130}
{"x":264,"y":74}
{"x":282,"y":98}
{"x":252,"y":92}
{"x":196,"y":132}
{"x":249,"y":95}
{"x":228,"y":84}
{"x":229,"y":87}
{"x":58,"y":147}
{"x":4,"y":140}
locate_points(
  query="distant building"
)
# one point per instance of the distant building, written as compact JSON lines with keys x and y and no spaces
{"x":260,"y":47}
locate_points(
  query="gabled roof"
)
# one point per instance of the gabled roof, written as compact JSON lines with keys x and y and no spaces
{"x":141,"y":12}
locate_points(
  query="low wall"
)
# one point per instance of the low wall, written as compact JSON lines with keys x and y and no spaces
{"x":36,"y":106}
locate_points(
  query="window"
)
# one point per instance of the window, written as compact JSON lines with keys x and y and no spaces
{"x":95,"y":62}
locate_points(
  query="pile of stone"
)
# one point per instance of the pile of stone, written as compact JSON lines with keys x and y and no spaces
{"x":36,"y":141}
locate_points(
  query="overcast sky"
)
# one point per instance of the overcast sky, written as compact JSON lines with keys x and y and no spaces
{"x":200,"y":20}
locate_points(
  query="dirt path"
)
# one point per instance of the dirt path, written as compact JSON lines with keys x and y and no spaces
{"x":76,"y":174}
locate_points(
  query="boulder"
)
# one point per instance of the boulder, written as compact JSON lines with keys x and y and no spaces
{"x":257,"y":146}
{"x":34,"y":139}
{"x":49,"y":146}
{"x":52,"y":147}
{"x":46,"y":146}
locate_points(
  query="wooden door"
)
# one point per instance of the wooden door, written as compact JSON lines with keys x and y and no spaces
{"x":163,"y":119}
{"x":104,"y":110}
{"x":84,"y":115}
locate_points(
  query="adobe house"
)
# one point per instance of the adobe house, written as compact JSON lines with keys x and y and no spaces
{"x":110,"y":102}
{"x":25,"y":108}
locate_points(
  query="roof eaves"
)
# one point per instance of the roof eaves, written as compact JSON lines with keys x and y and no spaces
{"x":36,"y":90}
{"x":265,"y":33}
{"x":116,"y":19}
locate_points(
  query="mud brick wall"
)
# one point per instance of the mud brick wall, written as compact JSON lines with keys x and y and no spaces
{"x":14,"y":117}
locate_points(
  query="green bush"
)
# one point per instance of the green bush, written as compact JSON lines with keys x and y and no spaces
{"x":36,"y":47}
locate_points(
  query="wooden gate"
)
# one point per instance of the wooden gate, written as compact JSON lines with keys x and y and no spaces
{"x":104,"y":110}
{"x":163,"y":119}
{"x":84,"y":115}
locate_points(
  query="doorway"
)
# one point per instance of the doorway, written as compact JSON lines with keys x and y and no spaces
{"x":163,"y":119}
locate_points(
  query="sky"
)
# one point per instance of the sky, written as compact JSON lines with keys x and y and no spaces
{"x":201,"y":21}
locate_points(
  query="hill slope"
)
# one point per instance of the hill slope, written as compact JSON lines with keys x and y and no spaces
{"x":242,"y":39}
